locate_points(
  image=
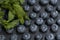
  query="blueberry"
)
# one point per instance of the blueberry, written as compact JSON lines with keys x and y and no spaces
{"x":37,"y":8}
{"x":39,"y":21}
{"x":58,"y":7}
{"x":21,"y":29}
{"x":33,"y":28}
{"x":27,"y":22}
{"x":31,"y":2}
{"x":50,"y":21}
{"x":54,"y":14}
{"x":50,"y":36}
{"x":44,"y":2}
{"x":44,"y":28}
{"x":26,"y":7}
{"x":26,"y":36}
{"x":58,"y":36}
{"x":44,"y":15}
{"x":58,"y":21}
{"x":38,"y":36}
{"x":33,"y":15}
{"x":49,"y":8}
{"x":10,"y":31}
{"x":53,"y":2}
{"x":54,"y":27}
{"x":14,"y":37}
{"x":2,"y":37}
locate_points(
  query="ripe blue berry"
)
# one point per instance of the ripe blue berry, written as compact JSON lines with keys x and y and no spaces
{"x":26,"y":36}
{"x":2,"y":37}
{"x":38,"y":36}
{"x":33,"y":28}
{"x":21,"y":29}
{"x":37,"y":8}
{"x":44,"y":28}
{"x":10,"y":31}
{"x":31,"y":2}
{"x":54,"y":14}
{"x":53,"y":2}
{"x":58,"y":21}
{"x":54,"y":27}
{"x":44,"y":15}
{"x":33,"y":15}
{"x":39,"y":21}
{"x":14,"y":37}
{"x":50,"y":21}
{"x":44,"y":2}
{"x":27,"y":22}
{"x":50,"y":36}
{"x":49,"y":8}
{"x":26,"y":7}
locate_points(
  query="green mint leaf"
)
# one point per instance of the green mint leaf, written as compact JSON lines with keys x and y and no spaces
{"x":21,"y":1}
{"x":10,"y":16}
{"x":11,"y":24}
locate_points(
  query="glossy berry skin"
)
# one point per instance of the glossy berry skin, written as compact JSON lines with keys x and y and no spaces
{"x":58,"y":36}
{"x":58,"y":21}
{"x":32,"y":15}
{"x":2,"y":37}
{"x":50,"y":21}
{"x":49,"y":8}
{"x":50,"y":36}
{"x":33,"y":28}
{"x":27,"y":22}
{"x":44,"y":15}
{"x":38,"y":36}
{"x":10,"y":31}
{"x":44,"y":28}
{"x":14,"y":37}
{"x":54,"y":27}
{"x":39,"y":21}
{"x":21,"y":29}
{"x":53,"y":2}
{"x":37,"y":8}
{"x":26,"y":7}
{"x":54,"y":14}
{"x":31,"y":2}
{"x":26,"y":36}
{"x":44,"y":2}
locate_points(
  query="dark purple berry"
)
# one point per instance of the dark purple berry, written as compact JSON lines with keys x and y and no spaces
{"x":49,"y":8}
{"x":33,"y":28}
{"x":50,"y":36}
{"x":39,"y":21}
{"x":54,"y":14}
{"x":44,"y":2}
{"x":37,"y":8}
{"x":44,"y":28}
{"x":21,"y":29}
{"x":14,"y":37}
{"x":54,"y":27}
{"x":26,"y":7}
{"x":50,"y":21}
{"x":39,"y":36}
{"x":26,"y":36}
{"x":31,"y":2}
{"x":53,"y":2}
{"x":44,"y":15}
